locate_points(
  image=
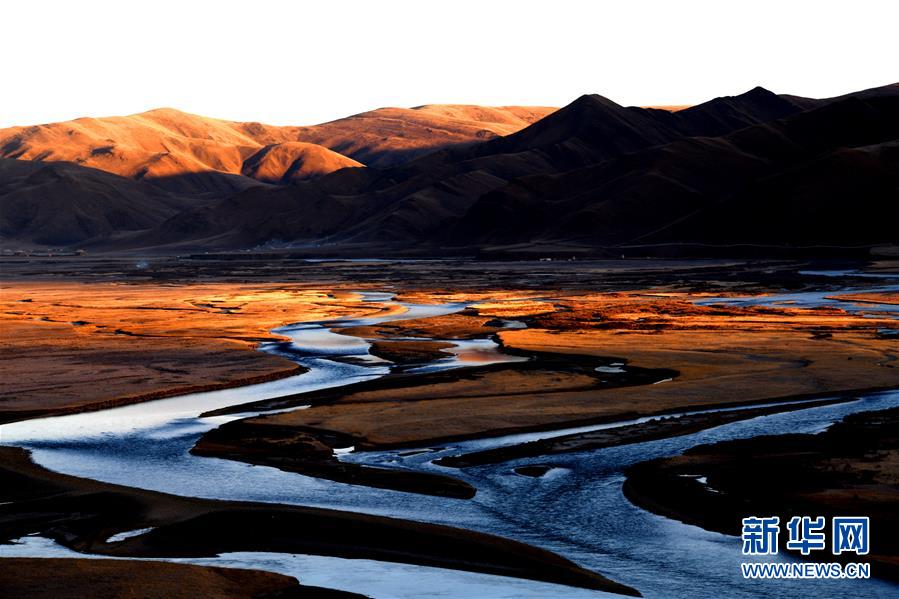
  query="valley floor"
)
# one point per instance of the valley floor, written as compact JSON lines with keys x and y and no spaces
{"x":598,"y":342}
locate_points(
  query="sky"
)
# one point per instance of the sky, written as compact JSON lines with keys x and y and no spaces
{"x":304,"y":62}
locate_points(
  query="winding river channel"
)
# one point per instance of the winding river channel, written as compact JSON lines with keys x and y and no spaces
{"x":577,"y":509}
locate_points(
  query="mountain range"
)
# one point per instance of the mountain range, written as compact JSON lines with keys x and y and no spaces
{"x":756,"y":170}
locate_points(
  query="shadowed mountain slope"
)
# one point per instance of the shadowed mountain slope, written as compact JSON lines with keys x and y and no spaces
{"x":57,"y":203}
{"x":826,"y":176}
{"x":388,"y":137}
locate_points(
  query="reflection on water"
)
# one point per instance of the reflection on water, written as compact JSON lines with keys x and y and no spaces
{"x":467,"y":353}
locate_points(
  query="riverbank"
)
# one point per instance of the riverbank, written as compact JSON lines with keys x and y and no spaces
{"x":594,"y":358}
{"x":160,"y":326}
{"x":27,"y":577}
{"x":82,"y":514}
{"x":146,"y":342}
{"x":851,"y":469}
{"x":312,"y":454}
{"x":652,"y":430}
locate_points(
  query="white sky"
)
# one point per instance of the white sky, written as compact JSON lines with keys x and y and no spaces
{"x":304,"y":62}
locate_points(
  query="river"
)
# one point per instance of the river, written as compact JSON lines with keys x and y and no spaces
{"x":576,"y":510}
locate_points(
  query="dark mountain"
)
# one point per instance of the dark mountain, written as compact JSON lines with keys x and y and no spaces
{"x":798,"y":180}
{"x":59,"y":204}
{"x":723,"y":115}
{"x":589,"y":129}
{"x":838,"y":183}
{"x":891,"y":89}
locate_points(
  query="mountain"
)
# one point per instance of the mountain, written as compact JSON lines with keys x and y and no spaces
{"x":292,"y":161}
{"x":161,"y":145}
{"x":191,"y":154}
{"x":388,"y":137}
{"x":825,"y":176}
{"x":874,"y":92}
{"x":421,"y":199}
{"x":729,"y":113}
{"x":58,"y":204}
{"x":756,"y":169}
{"x":831,"y":178}
{"x":594,"y":128}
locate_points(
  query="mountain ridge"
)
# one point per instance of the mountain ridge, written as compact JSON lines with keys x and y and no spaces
{"x":166,"y":143}
{"x":594,"y":174}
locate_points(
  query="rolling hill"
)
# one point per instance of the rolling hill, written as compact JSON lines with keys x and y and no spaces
{"x":291,"y":161}
{"x":191,"y":154}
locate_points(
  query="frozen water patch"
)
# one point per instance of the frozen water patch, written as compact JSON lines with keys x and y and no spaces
{"x":610,"y":369}
{"x":375,"y":579}
{"x":128,"y":534}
